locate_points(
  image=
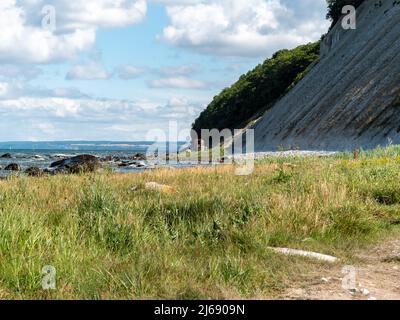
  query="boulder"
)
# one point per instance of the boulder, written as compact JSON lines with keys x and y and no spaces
{"x":6,"y":156}
{"x":141,"y":164}
{"x":154,"y":186}
{"x":79,"y":164}
{"x":140,"y":157}
{"x":34,"y":172}
{"x":132,"y":164}
{"x":125,"y":164}
{"x":13,"y":167}
{"x":85,"y":158}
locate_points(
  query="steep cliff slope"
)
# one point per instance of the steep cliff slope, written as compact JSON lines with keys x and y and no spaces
{"x":257,"y":90}
{"x":351,"y":96}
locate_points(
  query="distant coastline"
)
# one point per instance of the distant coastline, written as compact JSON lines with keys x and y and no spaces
{"x":78,"y":146}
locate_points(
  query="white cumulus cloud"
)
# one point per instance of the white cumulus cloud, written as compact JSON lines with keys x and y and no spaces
{"x":179,"y":82}
{"x":244,"y":28}
{"x":89,"y":118}
{"x":88,"y":71}
{"x":24,"y":40}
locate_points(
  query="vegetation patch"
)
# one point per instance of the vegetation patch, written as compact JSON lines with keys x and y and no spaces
{"x":257,"y":90}
{"x":207,"y":240}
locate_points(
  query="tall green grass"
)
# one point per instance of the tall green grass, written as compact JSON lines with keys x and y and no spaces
{"x":110,"y":238}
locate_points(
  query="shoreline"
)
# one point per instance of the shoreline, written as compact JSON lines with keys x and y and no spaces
{"x":138,"y":162}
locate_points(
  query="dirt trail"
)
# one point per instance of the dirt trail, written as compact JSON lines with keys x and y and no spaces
{"x":377,"y":277}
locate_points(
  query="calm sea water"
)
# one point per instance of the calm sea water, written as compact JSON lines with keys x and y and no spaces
{"x":42,"y":154}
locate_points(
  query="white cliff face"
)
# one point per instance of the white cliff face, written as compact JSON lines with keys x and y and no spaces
{"x":351,"y":97}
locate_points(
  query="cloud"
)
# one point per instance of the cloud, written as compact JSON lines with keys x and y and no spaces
{"x":128,"y":72}
{"x":169,"y":77}
{"x":86,"y":118}
{"x":179,"y":83}
{"x":88,"y":71}
{"x":3,"y":88}
{"x":183,"y":70}
{"x":24,"y":40}
{"x":26,"y":72}
{"x":249,"y":28}
{"x":11,"y":89}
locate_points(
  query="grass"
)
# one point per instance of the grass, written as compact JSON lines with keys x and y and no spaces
{"x":110,"y":238}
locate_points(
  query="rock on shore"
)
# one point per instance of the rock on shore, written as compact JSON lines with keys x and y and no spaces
{"x":34,"y":172}
{"x":78,"y":164}
{"x":13,"y":167}
{"x":6,"y":156}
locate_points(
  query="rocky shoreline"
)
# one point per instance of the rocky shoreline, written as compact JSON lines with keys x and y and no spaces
{"x":67,"y":164}
{"x":52,"y":164}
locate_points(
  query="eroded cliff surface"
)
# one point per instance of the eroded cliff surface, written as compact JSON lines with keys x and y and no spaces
{"x":351,"y":97}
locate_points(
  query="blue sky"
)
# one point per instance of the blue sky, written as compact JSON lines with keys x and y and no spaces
{"x":116,"y":69}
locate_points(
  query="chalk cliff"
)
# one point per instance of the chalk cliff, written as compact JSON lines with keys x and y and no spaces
{"x":351,"y":96}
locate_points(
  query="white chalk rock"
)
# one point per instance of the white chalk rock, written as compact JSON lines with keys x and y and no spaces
{"x":308,"y":254}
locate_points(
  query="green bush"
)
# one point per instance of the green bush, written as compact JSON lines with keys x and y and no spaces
{"x":387,"y":195}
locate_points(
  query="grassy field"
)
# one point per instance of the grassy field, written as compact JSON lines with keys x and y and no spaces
{"x":110,"y":238}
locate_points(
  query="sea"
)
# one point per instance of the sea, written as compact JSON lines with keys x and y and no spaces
{"x":42,"y":154}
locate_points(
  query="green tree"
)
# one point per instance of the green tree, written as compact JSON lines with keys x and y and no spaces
{"x":257,"y":90}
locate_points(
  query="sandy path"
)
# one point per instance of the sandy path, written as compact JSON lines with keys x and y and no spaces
{"x":377,"y":277}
